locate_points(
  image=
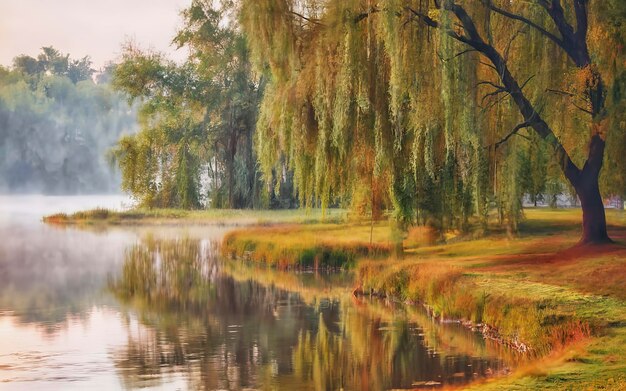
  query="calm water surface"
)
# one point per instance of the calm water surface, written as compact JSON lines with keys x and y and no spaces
{"x":156,"y":307}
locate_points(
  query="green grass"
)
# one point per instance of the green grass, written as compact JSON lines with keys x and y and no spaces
{"x":206,"y":216}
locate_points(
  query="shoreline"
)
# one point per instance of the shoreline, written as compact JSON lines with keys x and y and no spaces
{"x":563,"y":307}
{"x":486,"y":330}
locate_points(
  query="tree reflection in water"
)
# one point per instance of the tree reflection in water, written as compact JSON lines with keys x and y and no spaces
{"x":213,"y":331}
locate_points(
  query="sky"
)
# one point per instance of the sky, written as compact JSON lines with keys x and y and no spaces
{"x":97,"y":28}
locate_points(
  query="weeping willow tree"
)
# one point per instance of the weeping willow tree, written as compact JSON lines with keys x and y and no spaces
{"x":443,"y":105}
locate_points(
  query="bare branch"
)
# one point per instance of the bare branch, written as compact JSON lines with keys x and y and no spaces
{"x":508,"y":46}
{"x":494,"y":93}
{"x":498,"y":90}
{"x":570,"y":95}
{"x":526,"y":82}
{"x":582,"y":109}
{"x":311,"y":20}
{"x":559,"y":92}
{"x":516,"y":129}
{"x":490,"y":66}
{"x":494,"y":103}
{"x":461,"y":53}
{"x":527,"y":21}
{"x":496,"y":86}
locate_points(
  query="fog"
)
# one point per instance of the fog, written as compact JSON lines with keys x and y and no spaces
{"x":57,"y":123}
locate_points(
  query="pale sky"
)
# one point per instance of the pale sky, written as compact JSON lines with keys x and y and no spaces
{"x":87,"y":27}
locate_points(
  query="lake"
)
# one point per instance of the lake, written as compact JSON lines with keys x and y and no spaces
{"x":158,"y":308}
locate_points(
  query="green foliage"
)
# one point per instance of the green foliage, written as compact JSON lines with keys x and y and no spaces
{"x":195,"y":147}
{"x":356,"y":91}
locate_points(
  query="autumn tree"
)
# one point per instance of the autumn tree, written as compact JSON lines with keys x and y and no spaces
{"x":570,"y":37}
{"x":450,"y":97}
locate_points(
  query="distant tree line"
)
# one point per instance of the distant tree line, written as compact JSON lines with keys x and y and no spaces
{"x":56,"y":123}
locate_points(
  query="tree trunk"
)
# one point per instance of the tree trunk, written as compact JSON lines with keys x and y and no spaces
{"x":594,"y":219}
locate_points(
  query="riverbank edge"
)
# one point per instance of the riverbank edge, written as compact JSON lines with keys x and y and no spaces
{"x":560,"y":334}
{"x":285,"y":255}
{"x":539,"y":379}
{"x":486,"y":330}
{"x":229,"y":217}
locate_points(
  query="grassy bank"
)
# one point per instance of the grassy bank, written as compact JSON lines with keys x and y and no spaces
{"x":563,"y":305}
{"x":200,"y":217}
{"x":308,"y":246}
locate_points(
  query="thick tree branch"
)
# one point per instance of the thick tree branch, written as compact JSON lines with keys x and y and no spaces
{"x":556,"y":12}
{"x":433,"y":23}
{"x":574,"y":42}
{"x":530,"y":115}
{"x":580,"y":8}
{"x":423,"y":17}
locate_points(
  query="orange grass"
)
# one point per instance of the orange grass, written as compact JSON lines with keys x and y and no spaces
{"x":313,"y":245}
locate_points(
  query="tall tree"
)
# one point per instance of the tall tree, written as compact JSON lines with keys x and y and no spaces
{"x":570,"y":37}
{"x":196,"y":143}
{"x":433,"y":83}
{"x":221,"y":54}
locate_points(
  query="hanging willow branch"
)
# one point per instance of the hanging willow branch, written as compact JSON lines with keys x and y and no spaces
{"x":472,"y":37}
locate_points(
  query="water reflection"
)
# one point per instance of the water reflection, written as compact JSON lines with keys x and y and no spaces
{"x":48,"y":276}
{"x":155,"y":307}
{"x":230,"y":332}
